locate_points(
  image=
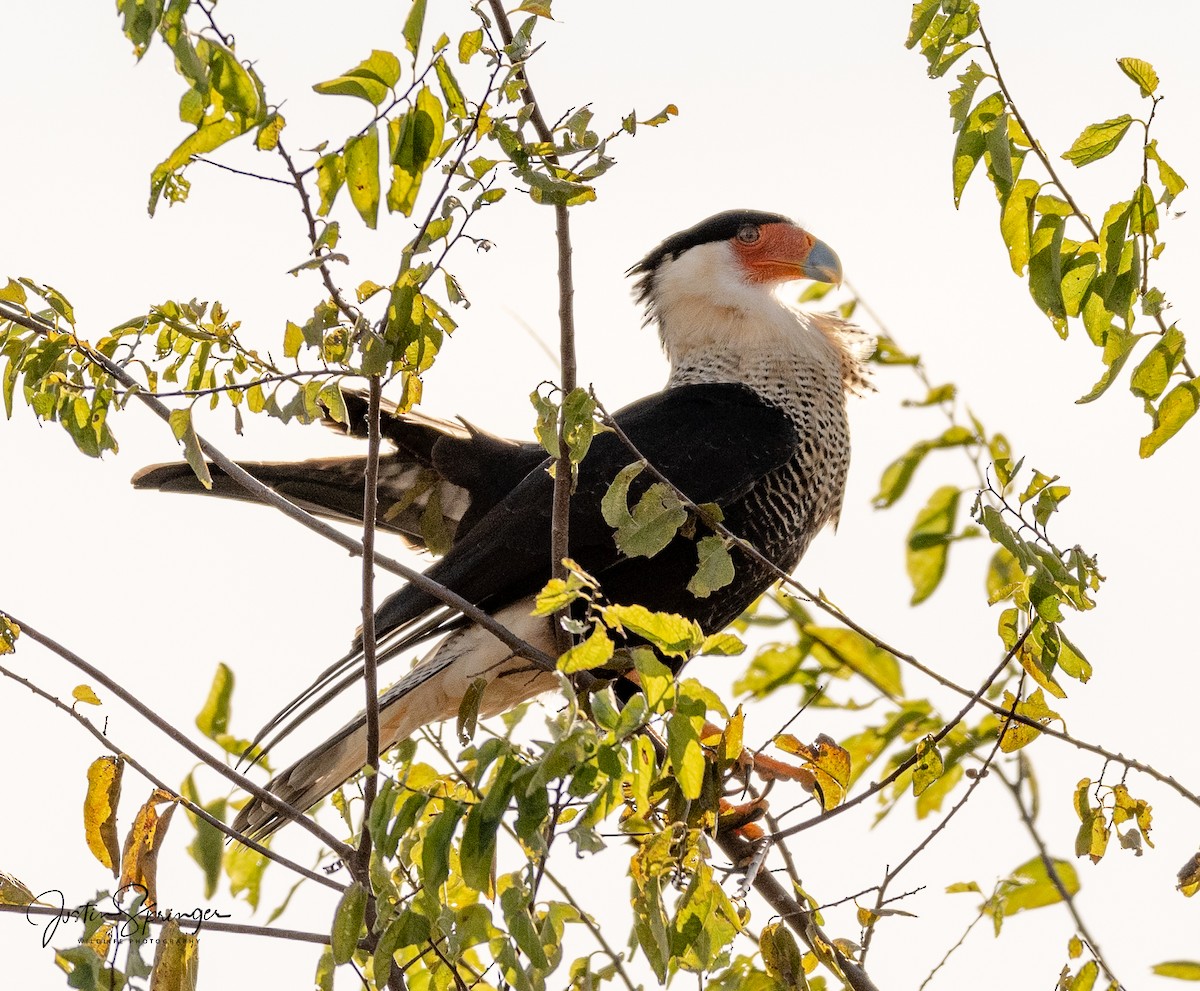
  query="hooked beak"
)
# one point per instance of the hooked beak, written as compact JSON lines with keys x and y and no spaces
{"x":823,"y":264}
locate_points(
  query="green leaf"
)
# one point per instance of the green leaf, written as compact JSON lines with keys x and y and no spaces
{"x":1178,"y":406}
{"x":205,"y":139}
{"x":331,"y":176}
{"x":140,"y":19}
{"x":669,"y":632}
{"x":716,"y":567}
{"x":453,"y":93}
{"x":1016,"y":222}
{"x":1184,"y":970}
{"x":961,"y":98}
{"x":348,"y":922}
{"x":1141,"y":73}
{"x":1171,"y":180}
{"x":846,"y":647}
{"x":579,"y":424}
{"x":593,"y":652}
{"x":928,"y":542}
{"x":1045,"y":270}
{"x":929,"y":766}
{"x":334,"y":402}
{"x":899,"y":473}
{"x":413,"y":25}
{"x":477,"y":851}
{"x":1033,"y":887}
{"x":469,"y":44}
{"x":185,"y":433}
{"x":362,"y":174}
{"x":683,"y":745}
{"x":1098,"y":141}
{"x":651,"y":525}
{"x":269,"y":130}
{"x":539,"y":7}
{"x":973,"y":140}
{"x":435,"y":845}
{"x":233,"y":81}
{"x":1154,"y":371}
{"x":370,"y":80}
{"x":213,"y":718}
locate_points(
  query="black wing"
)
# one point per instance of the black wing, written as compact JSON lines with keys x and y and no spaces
{"x":712,"y":441}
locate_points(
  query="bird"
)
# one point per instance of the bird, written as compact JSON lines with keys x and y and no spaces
{"x":752,"y":418}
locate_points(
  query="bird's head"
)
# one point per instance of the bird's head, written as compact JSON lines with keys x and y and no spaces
{"x":731,"y":259}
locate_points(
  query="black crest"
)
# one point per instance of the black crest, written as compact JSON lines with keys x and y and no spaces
{"x":719,"y":227}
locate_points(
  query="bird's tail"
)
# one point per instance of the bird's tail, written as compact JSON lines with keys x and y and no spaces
{"x":431,"y":692}
{"x":415,"y":499}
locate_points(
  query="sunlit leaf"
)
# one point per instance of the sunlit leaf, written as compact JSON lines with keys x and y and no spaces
{"x":1141,"y":73}
{"x":1184,"y":970}
{"x":1178,"y":406}
{"x":1098,"y":141}
{"x":100,"y":810}
{"x":143,"y":845}
{"x":362,"y":174}
{"x":176,"y":959}
{"x":928,"y":544}
{"x":593,"y":652}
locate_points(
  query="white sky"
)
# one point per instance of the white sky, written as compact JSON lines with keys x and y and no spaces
{"x":814,"y":110}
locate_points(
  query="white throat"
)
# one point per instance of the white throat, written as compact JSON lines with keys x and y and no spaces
{"x":717,"y":327}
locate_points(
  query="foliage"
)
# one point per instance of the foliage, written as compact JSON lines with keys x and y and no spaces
{"x":456,"y":888}
{"x":1076,"y":270}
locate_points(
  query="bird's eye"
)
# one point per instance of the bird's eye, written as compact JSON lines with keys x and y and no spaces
{"x":748,"y":234}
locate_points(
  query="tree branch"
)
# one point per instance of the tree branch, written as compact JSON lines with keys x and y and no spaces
{"x":563,"y":469}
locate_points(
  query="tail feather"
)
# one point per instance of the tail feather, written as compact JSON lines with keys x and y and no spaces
{"x":415,"y":501}
{"x":431,"y":692}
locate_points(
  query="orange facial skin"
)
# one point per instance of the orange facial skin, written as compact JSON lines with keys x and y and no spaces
{"x":784,"y":252}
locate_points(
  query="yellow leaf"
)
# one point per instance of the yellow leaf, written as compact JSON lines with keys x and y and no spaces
{"x":100,"y":810}
{"x":176,"y":960}
{"x":1034,"y":708}
{"x":139,"y":858}
{"x":84,"y":693}
{"x":829,"y":763}
{"x":13,"y":892}
{"x":1189,"y":877}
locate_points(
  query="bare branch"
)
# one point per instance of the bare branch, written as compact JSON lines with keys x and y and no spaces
{"x":563,"y":476}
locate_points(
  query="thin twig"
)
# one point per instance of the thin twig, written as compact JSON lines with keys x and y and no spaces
{"x":370,"y":664}
{"x":892,"y":872}
{"x":1014,"y":789}
{"x":187,"y":803}
{"x":799,"y":919}
{"x":351,"y":313}
{"x":1037,"y":148}
{"x":241,"y":172}
{"x":563,"y":473}
{"x":976,"y":698}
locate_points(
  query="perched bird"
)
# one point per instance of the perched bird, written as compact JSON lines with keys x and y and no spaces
{"x":752,"y":418}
